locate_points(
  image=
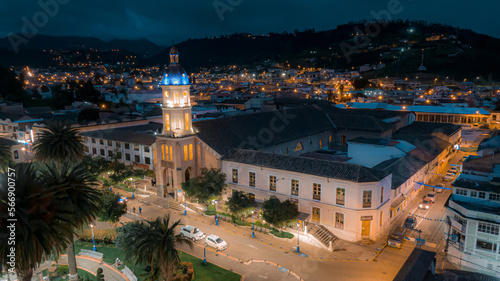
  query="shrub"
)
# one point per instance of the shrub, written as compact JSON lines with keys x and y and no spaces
{"x":258,"y":223}
{"x":63,"y":270}
{"x":281,"y":234}
{"x":240,"y":222}
{"x":106,"y":236}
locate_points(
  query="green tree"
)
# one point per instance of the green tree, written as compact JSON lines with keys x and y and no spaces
{"x":207,"y":186}
{"x":111,"y":209}
{"x":60,"y":143}
{"x":99,"y":276}
{"x":276,"y":212}
{"x":152,"y":243}
{"x":5,"y":153}
{"x":239,"y":202}
{"x":360,"y":83}
{"x":44,"y":220}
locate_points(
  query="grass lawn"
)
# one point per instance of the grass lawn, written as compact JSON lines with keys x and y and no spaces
{"x":209,"y":272}
{"x":202,"y":272}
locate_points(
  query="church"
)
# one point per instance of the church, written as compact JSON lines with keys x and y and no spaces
{"x":300,"y":153}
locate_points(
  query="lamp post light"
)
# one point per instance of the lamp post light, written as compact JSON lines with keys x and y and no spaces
{"x":253,"y":225}
{"x":298,"y":237}
{"x":93,"y":239}
{"x":205,"y":255}
{"x":185,"y":207}
{"x":133,"y":187}
{"x":216,"y":216}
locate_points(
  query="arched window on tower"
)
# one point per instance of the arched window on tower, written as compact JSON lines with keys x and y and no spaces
{"x":176,"y":98}
{"x":299,"y":147}
{"x":171,"y":155}
{"x":177,"y":121}
{"x":191,"y":151}
{"x":167,"y":122}
{"x":186,"y":119}
{"x":185,"y":153}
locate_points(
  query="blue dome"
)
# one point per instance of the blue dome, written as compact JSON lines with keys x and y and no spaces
{"x":175,"y":75}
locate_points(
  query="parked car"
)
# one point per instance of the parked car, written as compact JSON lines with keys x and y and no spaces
{"x":215,"y":242}
{"x":431,"y":196}
{"x":191,"y":233}
{"x":426,"y":204}
{"x":410,"y":222}
{"x":449,"y":176}
{"x":122,"y":199}
{"x":439,"y":190}
{"x":396,"y":238}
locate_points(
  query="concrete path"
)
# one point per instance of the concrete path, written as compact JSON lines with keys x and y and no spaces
{"x":91,"y":265}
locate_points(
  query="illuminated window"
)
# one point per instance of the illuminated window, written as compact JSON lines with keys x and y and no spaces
{"x":235,"y":175}
{"x":185,"y":153}
{"x":340,"y":196}
{"x":320,"y":143}
{"x":251,"y":179}
{"x":381,"y":217}
{"x":339,"y":220}
{"x":272,"y":183}
{"x":163,"y":152}
{"x":154,"y":155}
{"x":186,"y":118}
{"x":299,"y":147}
{"x":166,"y":94}
{"x":167,"y":122}
{"x":330,"y":139}
{"x":190,"y":152}
{"x":295,"y":187}
{"x":367,"y":199}
{"x":171,"y":155}
{"x":317,"y":191}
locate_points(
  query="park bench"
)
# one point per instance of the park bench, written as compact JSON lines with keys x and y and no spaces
{"x":92,"y":254}
{"x":129,"y":274}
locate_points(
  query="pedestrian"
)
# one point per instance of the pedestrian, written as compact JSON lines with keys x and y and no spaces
{"x":152,"y":182}
{"x":140,"y":210}
{"x":133,"y":210}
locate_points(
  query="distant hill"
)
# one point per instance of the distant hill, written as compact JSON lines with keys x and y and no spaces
{"x":142,"y":47}
{"x":448,"y":51}
{"x":458,"y":52}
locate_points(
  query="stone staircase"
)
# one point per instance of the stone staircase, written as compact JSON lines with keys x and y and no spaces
{"x":163,"y":202}
{"x":323,"y":235}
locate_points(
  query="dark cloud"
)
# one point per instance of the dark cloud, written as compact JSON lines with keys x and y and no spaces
{"x":164,"y":21}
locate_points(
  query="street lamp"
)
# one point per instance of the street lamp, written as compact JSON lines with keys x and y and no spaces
{"x":132,"y":188}
{"x":93,"y":239}
{"x":253,"y":225}
{"x":298,"y":237}
{"x":216,"y":216}
{"x":205,"y":255}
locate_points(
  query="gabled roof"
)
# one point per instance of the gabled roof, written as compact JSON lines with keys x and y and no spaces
{"x":416,"y":266}
{"x":263,"y":129}
{"x":317,"y":167}
{"x":142,"y":134}
{"x":401,"y":168}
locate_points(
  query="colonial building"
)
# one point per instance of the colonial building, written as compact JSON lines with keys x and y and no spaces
{"x":473,"y":212}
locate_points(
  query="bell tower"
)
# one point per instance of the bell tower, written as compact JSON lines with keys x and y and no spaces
{"x":175,"y":147}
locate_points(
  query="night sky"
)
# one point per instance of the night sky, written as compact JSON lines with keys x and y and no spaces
{"x":164,"y":21}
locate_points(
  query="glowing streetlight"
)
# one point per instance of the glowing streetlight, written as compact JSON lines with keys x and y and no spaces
{"x":93,"y":239}
{"x":253,"y":225}
{"x":298,"y":237}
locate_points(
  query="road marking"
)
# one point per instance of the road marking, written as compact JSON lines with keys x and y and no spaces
{"x":245,"y":244}
{"x":262,"y":276}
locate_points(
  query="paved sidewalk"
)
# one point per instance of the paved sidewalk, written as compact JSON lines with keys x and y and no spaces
{"x":91,"y":265}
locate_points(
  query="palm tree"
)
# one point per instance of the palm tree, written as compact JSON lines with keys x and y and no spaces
{"x":44,"y":223}
{"x":153,"y":243}
{"x":59,"y":143}
{"x":5,"y":153}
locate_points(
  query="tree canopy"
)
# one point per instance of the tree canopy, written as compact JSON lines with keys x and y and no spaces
{"x":111,"y":207}
{"x":238,"y":202}
{"x":207,"y":186}
{"x":277,"y":212}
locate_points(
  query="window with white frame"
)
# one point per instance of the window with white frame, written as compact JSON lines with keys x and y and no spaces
{"x":494,"y":196}
{"x":486,"y":246}
{"x":294,"y":187}
{"x":339,"y":220}
{"x":317,"y":191}
{"x":272,"y":183}
{"x":367,"y":198}
{"x":482,"y":195}
{"x":340,"y":196}
{"x":459,"y":191}
{"x":473,"y":194}
{"x":235,"y":175}
{"x":487,"y":228}
{"x":251,"y":179}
